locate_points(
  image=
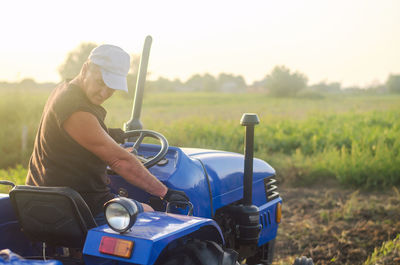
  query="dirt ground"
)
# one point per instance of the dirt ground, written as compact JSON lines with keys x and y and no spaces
{"x":335,"y":225}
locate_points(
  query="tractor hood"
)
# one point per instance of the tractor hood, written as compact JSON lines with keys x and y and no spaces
{"x":225,"y":174}
{"x":212,"y":179}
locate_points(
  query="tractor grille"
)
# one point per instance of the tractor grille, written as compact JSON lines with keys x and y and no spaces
{"x":271,"y":189}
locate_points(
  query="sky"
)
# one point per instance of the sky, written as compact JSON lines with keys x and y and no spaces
{"x":354,"y":42}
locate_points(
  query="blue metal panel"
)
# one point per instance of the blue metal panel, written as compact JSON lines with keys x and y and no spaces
{"x":152,"y":232}
{"x":7,"y":212}
{"x":268,"y":221}
{"x":11,"y":236}
{"x":184,"y":172}
{"x":226,"y":175}
{"x":10,"y":258}
{"x":181,"y":172}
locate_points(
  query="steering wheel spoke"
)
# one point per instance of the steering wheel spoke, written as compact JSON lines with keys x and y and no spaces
{"x":142,"y":159}
{"x":138,"y":142}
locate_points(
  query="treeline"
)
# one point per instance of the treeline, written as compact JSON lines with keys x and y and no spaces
{"x":27,"y":83}
{"x":281,"y":82}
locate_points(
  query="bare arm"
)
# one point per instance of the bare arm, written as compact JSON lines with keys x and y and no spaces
{"x":84,"y":128}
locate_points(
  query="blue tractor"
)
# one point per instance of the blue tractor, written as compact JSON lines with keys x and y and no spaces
{"x":232,"y":218}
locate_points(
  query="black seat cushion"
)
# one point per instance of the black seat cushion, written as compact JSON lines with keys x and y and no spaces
{"x":55,"y":215}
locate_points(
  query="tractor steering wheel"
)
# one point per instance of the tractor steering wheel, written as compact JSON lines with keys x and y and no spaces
{"x":140,"y":135}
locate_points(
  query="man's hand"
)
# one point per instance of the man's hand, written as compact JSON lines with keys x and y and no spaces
{"x":176,"y":196}
{"x":147,"y":208}
{"x":117,"y":134}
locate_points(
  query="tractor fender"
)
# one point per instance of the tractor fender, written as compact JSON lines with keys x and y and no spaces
{"x":151,"y":234}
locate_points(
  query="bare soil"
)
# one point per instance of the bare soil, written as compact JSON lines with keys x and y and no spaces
{"x":335,"y":225}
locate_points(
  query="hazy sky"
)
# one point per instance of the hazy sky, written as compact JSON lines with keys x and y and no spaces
{"x":354,"y":42}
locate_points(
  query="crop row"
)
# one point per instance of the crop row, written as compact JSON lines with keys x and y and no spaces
{"x":354,"y":141}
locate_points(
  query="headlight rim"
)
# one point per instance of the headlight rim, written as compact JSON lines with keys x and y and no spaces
{"x":130,"y":207}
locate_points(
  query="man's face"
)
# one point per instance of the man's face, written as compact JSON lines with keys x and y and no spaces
{"x":95,"y":88}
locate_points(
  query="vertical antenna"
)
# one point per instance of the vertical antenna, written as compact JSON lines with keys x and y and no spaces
{"x":134,"y":123}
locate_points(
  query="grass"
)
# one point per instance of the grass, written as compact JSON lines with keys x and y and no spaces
{"x":388,"y":253}
{"x":338,"y":226}
{"x":19,"y":109}
{"x":353,"y":139}
{"x":16,"y":175}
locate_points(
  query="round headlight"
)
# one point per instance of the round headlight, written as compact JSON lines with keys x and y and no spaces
{"x":120,"y":213}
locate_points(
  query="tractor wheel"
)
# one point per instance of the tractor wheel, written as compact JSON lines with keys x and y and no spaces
{"x":264,"y":255}
{"x":303,"y":261}
{"x":196,"y":252}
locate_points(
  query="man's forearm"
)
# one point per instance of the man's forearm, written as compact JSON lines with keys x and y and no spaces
{"x":132,"y":170}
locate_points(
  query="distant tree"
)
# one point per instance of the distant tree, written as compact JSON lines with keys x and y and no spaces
{"x":194,"y":83}
{"x":197,"y":82}
{"x":393,"y":83}
{"x":258,"y":86}
{"x":326,"y":87}
{"x":28,"y":83}
{"x":282,"y":83}
{"x":164,"y":84}
{"x":230,"y":83}
{"x":74,"y":61}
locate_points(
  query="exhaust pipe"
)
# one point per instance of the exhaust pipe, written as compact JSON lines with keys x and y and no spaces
{"x":249,"y":120}
{"x":134,"y":123}
{"x":247,"y":215}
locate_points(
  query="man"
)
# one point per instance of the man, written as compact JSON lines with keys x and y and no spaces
{"x":72,"y":146}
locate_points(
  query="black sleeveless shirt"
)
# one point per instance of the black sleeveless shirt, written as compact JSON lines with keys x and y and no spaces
{"x":58,"y":160}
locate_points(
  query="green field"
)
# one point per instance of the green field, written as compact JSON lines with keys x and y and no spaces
{"x":351,"y":138}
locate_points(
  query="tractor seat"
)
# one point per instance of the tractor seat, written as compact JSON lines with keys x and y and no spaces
{"x":57,"y":216}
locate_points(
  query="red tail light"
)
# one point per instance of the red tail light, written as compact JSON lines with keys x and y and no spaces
{"x":116,"y":246}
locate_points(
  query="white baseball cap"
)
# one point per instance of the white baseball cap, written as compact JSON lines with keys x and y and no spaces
{"x":114,"y":65}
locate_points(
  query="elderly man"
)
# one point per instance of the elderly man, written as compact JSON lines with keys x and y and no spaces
{"x":73,"y":147}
